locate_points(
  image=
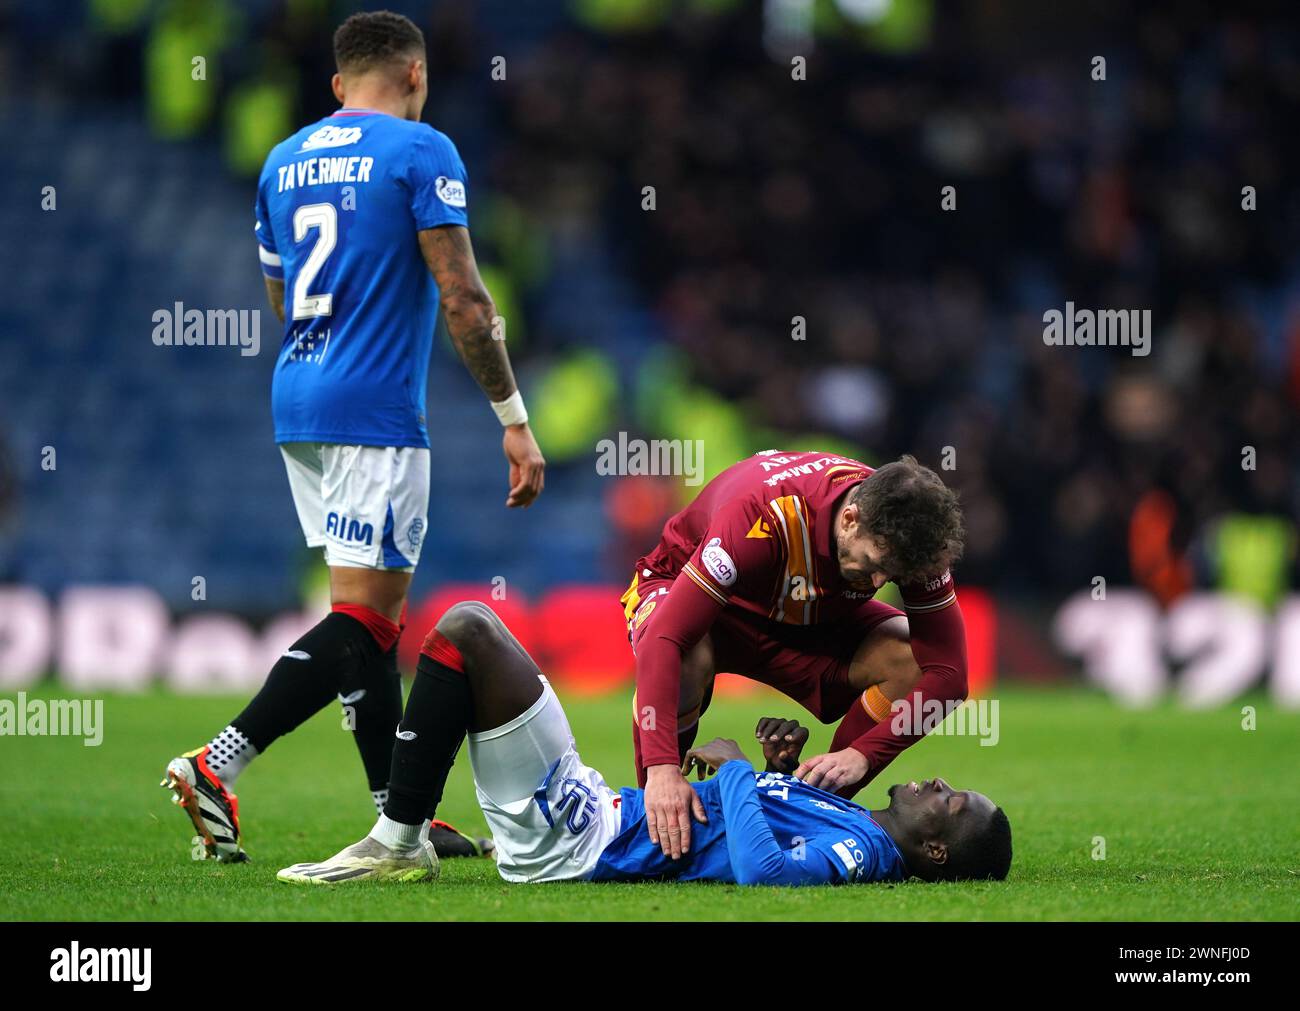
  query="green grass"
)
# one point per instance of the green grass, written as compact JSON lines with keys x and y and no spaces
{"x":1200,"y":820}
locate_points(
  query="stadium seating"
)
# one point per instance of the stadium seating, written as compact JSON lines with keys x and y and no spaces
{"x":202,"y":492}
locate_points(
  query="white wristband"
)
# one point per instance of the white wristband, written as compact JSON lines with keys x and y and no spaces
{"x":511,"y":411}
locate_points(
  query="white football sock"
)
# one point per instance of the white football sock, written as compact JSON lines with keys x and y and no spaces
{"x":395,"y":835}
{"x":228,"y":755}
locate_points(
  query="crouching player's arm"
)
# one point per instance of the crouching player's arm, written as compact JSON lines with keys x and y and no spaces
{"x":757,"y":858}
{"x":684,"y":617}
{"x":725,"y":561}
{"x":865,"y":743}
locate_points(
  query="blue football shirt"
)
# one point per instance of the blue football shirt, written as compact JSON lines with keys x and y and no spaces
{"x":763,"y":829}
{"x":339,"y":206}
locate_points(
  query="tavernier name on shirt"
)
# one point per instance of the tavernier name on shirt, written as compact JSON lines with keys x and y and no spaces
{"x":324,"y":170}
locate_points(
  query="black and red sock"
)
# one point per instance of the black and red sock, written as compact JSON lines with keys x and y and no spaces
{"x":305,"y":678}
{"x":438,"y":714}
{"x":371,"y":694}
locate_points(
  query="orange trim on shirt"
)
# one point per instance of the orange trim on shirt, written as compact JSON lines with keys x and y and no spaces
{"x":791,"y":517}
{"x":704,"y":583}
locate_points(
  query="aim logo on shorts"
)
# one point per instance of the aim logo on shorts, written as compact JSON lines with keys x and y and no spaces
{"x":343,"y":529}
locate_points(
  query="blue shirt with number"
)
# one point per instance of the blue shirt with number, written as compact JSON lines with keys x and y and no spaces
{"x":763,"y":829}
{"x":339,"y":205}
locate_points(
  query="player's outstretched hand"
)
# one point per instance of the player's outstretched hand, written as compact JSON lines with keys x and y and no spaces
{"x":834,"y":771}
{"x":707,"y":759}
{"x":783,"y":740}
{"x":527,"y":466}
{"x":669,"y":804}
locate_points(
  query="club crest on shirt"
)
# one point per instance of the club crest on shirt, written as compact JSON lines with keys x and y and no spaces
{"x":642,"y":613}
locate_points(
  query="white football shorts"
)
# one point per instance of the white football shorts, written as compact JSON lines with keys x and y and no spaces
{"x":365,"y":505}
{"x":550,"y":816}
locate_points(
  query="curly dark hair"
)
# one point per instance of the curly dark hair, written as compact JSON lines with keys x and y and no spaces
{"x":374,"y":38}
{"x":908,"y":507}
{"x":983,"y":854}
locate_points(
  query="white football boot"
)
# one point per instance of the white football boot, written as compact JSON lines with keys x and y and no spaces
{"x":367,"y":860}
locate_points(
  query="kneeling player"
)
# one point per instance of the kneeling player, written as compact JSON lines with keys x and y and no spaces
{"x":771,"y":573}
{"x":554,"y":818}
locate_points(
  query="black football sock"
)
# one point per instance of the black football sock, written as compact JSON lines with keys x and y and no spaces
{"x":305,"y":678}
{"x":372,"y":698}
{"x":438,"y":712}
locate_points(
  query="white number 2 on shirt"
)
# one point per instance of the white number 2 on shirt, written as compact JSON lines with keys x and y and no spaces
{"x":325,"y":219}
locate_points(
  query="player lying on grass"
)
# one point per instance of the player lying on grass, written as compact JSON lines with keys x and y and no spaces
{"x":554,"y":819}
{"x":770,"y":573}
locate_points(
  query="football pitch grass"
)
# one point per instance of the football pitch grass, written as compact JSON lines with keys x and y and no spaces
{"x":1199,"y":820}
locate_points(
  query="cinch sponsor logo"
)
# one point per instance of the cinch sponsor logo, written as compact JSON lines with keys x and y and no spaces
{"x":75,"y":964}
{"x":719,"y":563}
{"x":343,"y":529}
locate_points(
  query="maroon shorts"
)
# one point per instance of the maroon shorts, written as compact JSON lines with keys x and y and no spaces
{"x":808,"y":663}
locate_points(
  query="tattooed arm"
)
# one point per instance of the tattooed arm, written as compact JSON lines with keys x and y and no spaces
{"x":275,"y":292}
{"x":468,"y":309}
{"x":470,"y":314}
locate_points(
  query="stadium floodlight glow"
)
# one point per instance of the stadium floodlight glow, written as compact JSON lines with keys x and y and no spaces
{"x":864,"y":12}
{"x":788,"y":28}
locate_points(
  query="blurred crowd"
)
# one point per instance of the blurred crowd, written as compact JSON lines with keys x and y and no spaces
{"x":786,"y":223}
{"x":777,"y":198}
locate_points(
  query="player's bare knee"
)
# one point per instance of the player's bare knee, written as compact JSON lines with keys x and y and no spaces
{"x":900,"y":672}
{"x":884,"y":658}
{"x":697,"y":677}
{"x":473,"y":628}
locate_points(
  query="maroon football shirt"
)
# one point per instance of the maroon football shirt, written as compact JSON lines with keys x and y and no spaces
{"x":759,"y":537}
